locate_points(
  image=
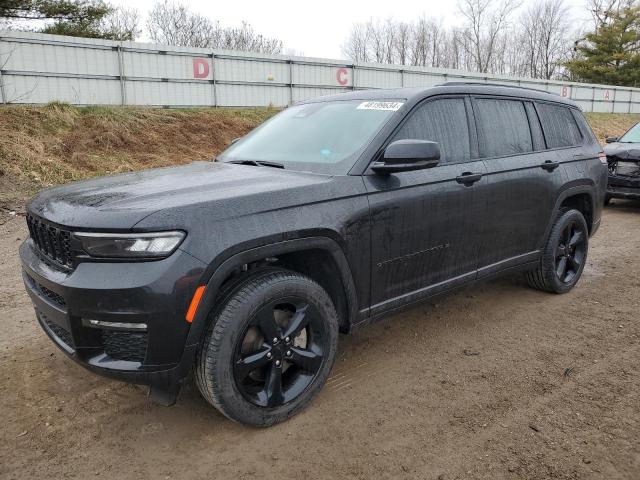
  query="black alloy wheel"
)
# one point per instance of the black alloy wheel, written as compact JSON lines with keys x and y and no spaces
{"x":564,"y":256}
{"x":280,"y":352}
{"x":269,"y":348}
{"x":571,"y":252}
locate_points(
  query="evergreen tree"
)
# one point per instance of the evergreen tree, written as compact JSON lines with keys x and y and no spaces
{"x":611,"y":54}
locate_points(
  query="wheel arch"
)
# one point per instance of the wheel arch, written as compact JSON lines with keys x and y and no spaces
{"x":290,"y":254}
{"x":580,"y":196}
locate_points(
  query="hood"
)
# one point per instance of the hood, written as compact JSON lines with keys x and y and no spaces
{"x":118,"y":202}
{"x":629,"y":152}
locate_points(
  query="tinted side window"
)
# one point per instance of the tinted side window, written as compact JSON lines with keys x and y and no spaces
{"x":584,"y":126}
{"x":560,"y":128}
{"x":443,"y":121}
{"x":503,"y":127}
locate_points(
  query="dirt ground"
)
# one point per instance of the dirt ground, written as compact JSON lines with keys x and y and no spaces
{"x":498,"y":381}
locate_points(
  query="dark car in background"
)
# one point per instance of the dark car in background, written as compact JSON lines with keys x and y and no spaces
{"x":623,"y":158}
{"x":336,"y":212}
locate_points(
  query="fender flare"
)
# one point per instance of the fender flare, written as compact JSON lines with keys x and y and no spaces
{"x":572,"y":190}
{"x":220,"y":269}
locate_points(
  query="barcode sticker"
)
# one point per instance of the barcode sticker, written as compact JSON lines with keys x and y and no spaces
{"x":371,"y":105}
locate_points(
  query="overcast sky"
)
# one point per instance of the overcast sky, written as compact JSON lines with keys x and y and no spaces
{"x":317,"y":28}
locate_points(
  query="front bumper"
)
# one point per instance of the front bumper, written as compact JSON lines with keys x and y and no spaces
{"x":620,"y":186}
{"x":153,"y":293}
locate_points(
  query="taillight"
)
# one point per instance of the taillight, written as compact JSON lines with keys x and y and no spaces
{"x":603,"y":158}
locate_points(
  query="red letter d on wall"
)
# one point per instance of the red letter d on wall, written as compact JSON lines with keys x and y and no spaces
{"x":200,"y":68}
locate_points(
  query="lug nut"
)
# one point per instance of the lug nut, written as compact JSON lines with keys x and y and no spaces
{"x":275,"y":340}
{"x":287,"y":340}
{"x":278,"y":363}
{"x":269,"y":355}
{"x":288,"y":353}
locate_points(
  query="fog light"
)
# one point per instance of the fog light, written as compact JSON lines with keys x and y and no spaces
{"x":138,"y":327}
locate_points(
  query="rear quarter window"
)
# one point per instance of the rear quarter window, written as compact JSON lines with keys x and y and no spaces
{"x":587,"y":133}
{"x":559,"y":126}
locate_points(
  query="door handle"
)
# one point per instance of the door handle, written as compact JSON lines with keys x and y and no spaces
{"x":550,"y":165}
{"x":468,"y":178}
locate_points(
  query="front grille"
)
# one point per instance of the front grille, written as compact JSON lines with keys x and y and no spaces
{"x":130,"y":346}
{"x":60,"y":332}
{"x":50,"y":294}
{"x":54,"y":243}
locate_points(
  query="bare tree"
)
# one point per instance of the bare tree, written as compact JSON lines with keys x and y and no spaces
{"x":172,"y":23}
{"x":602,"y":11}
{"x":123,"y":23}
{"x":356,"y":46}
{"x":484,"y":19}
{"x":402,"y":44}
{"x":545,"y":38}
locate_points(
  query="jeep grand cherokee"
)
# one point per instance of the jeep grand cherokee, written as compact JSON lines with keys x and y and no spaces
{"x":334,"y":213}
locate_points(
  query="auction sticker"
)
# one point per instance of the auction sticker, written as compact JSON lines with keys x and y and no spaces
{"x":391,"y":106}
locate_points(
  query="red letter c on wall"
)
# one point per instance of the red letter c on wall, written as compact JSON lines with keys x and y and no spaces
{"x":341,"y":76}
{"x":200,"y":68}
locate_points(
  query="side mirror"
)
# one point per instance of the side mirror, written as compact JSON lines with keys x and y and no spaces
{"x":407,"y":155}
{"x":611,"y":139}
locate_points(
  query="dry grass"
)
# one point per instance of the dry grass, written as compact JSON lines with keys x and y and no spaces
{"x":58,"y":143}
{"x":611,"y":124}
{"x":42,"y":146}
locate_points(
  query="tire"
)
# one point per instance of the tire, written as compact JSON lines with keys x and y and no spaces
{"x":553,"y":274}
{"x":240,"y":365}
{"x":607,"y":199}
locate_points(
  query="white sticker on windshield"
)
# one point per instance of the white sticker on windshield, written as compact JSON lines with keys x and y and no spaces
{"x":391,"y":106}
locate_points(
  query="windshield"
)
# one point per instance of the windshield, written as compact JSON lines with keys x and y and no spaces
{"x":323,"y":137}
{"x":632,"y":136}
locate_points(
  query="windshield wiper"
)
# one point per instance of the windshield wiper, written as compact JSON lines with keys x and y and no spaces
{"x":257,"y":163}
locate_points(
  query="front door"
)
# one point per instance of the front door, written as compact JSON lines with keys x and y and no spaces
{"x":425,"y":223}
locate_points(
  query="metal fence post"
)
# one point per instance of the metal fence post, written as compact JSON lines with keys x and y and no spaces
{"x":213,"y":79}
{"x":2,"y":94}
{"x":353,"y":82}
{"x":123,"y":88}
{"x":290,"y":81}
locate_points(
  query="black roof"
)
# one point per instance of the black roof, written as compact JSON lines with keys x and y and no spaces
{"x":418,"y":93}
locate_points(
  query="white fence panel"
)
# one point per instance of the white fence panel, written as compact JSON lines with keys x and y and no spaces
{"x":38,"y":68}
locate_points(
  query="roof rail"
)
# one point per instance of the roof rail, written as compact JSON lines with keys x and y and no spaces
{"x":491,"y":84}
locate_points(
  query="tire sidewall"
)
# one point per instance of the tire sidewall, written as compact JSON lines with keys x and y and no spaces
{"x":549,"y":259}
{"x":232,"y":321}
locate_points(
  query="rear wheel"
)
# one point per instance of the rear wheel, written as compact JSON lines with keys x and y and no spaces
{"x":269,"y":349}
{"x":564,"y":256}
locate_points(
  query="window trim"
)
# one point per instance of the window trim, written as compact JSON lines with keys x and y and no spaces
{"x":522,"y":100}
{"x":419,"y":104}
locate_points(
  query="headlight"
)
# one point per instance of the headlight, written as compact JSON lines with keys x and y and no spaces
{"x":130,"y":245}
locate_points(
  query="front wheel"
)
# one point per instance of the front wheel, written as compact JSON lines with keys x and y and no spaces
{"x":269,"y":349}
{"x":564,"y":255}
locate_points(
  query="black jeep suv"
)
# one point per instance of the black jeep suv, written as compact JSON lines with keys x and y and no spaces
{"x":334,"y":213}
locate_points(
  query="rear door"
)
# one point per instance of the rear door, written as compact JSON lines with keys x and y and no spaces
{"x":523,"y":178}
{"x":425,"y":223}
